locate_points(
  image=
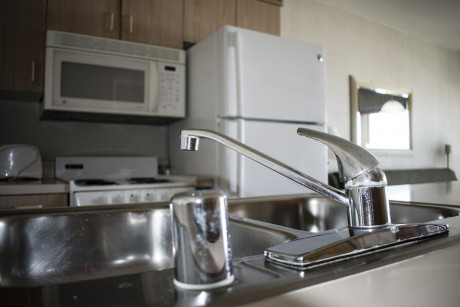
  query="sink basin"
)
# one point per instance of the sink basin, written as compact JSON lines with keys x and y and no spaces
{"x":62,"y":245}
{"x":122,"y":254}
{"x":316,"y":213}
{"x":40,"y":247}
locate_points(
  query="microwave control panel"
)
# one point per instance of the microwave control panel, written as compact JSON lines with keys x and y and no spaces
{"x":171,"y":98}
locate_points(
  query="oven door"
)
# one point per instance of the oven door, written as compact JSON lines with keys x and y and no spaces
{"x":80,"y":81}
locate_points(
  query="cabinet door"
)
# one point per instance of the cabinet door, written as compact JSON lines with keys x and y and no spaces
{"x":259,"y":16}
{"x":203,"y":17}
{"x":22,"y":41}
{"x":99,"y":18}
{"x":155,"y":22}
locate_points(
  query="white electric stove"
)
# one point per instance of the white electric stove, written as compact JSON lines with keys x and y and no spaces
{"x":118,"y":180}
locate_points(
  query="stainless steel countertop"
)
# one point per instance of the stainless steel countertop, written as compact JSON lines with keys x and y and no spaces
{"x":447,"y":193}
{"x":426,"y":279}
{"x":387,"y":278}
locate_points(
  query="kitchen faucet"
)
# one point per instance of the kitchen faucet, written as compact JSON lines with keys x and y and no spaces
{"x":365,"y":182}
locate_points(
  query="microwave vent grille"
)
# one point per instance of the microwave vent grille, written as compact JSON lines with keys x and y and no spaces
{"x":111,"y":46}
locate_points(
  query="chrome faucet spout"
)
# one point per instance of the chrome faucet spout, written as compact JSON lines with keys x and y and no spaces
{"x":364,"y":193}
{"x":190,"y":141}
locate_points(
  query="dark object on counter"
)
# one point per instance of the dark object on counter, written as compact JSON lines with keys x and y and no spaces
{"x":147,"y":180}
{"x":408,"y":176}
{"x":92,"y":182}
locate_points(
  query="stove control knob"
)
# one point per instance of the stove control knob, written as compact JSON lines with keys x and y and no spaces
{"x":134,"y":197}
{"x":146,"y":197}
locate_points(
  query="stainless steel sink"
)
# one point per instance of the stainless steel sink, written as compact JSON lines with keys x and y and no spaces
{"x":122,"y":254}
{"x":42,"y":247}
{"x":317,"y":213}
{"x":54,"y":246}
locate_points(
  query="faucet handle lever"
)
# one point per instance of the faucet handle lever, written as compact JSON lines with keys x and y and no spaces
{"x":353,"y":160}
{"x":364,"y":179}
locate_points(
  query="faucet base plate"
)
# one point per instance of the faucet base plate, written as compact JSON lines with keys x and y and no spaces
{"x":331,"y":247}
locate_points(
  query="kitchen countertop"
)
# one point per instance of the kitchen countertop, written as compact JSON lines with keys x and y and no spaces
{"x":422,"y":275}
{"x":447,"y":193}
{"x":45,"y":186}
{"x":428,"y":279}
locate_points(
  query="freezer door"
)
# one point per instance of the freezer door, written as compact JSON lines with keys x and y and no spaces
{"x":243,"y":177}
{"x":270,"y":77}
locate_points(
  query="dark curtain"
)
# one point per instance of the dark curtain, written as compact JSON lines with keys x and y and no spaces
{"x":371,"y":102}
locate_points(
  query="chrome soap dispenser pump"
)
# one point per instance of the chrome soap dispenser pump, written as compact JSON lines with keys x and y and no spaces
{"x":201,"y":246}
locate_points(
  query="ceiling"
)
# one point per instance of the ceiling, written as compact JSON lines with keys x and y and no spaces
{"x":436,"y":21}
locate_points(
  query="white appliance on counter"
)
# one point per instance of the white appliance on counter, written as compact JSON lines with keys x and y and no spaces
{"x":257,"y":88}
{"x":118,"y":180}
{"x":20,"y":161}
{"x":87,"y":76}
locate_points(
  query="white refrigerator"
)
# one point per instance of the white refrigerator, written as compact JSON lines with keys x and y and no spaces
{"x":257,"y":88}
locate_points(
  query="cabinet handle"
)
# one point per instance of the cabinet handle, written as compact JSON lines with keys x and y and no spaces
{"x":33,"y":72}
{"x":130,"y":20}
{"x":110,"y":21}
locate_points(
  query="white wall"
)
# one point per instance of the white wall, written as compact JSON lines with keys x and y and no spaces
{"x":373,"y":52}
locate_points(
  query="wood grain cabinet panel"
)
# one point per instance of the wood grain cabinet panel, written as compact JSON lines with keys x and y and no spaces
{"x":258,"y":15}
{"x":98,"y":18}
{"x":203,"y":17}
{"x":155,"y":22}
{"x":22,"y":41}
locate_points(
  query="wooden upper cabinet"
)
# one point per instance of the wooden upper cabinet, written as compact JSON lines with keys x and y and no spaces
{"x":203,"y":17}
{"x":169,"y":23}
{"x":155,"y":22}
{"x":22,"y":51}
{"x":98,"y":18}
{"x":161,"y":22}
{"x":258,"y":15}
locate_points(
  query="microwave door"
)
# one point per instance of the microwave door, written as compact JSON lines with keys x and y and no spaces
{"x":94,"y":82}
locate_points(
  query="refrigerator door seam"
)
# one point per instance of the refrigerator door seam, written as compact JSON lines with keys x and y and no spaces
{"x":270,"y":120}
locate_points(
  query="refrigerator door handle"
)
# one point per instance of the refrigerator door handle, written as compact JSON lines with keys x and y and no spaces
{"x":233,"y":172}
{"x":234,"y":163}
{"x":239,"y":83}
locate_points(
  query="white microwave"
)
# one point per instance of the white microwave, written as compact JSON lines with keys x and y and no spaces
{"x":87,"y":76}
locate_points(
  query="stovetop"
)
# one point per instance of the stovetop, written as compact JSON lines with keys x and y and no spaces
{"x":101,"y":173}
{"x":159,"y":181}
{"x":105,"y":168}
{"x":94,"y":182}
{"x":147,"y":180}
{"x":131,"y":181}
